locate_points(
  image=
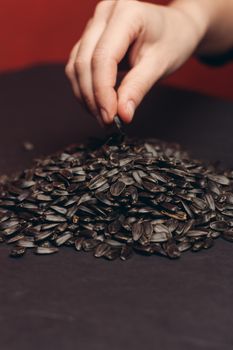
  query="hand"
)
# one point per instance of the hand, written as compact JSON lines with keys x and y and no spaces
{"x":158,"y":39}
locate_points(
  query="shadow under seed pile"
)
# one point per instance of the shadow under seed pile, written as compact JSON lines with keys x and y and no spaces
{"x":115,"y":198}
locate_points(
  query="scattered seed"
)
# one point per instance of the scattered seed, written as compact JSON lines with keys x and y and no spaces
{"x":46,"y":250}
{"x":17,"y":252}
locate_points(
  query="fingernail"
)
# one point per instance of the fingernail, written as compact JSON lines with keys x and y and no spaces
{"x":130,"y":108}
{"x":104,"y":115}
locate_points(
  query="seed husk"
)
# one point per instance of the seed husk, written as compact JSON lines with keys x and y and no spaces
{"x":117,"y":188}
{"x":17,"y":252}
{"x":184,"y":246}
{"x":114,"y":227}
{"x":41,"y":236}
{"x":228,"y":235}
{"x":9,"y":223}
{"x":197,"y":246}
{"x":137,"y":231}
{"x":208,"y":243}
{"x":78,"y":243}
{"x":58,"y":209}
{"x":26,"y":243}
{"x":55,"y":218}
{"x":197,"y":233}
{"x":101,"y":249}
{"x":219,"y":225}
{"x":220,"y":179}
{"x":172,"y":250}
{"x":46,"y":250}
{"x":89,"y":244}
{"x":112,"y":254}
{"x":63,"y":238}
{"x":159,"y":237}
{"x":126,"y":252}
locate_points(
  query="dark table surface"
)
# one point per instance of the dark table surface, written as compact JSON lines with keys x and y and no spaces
{"x":73,"y":301}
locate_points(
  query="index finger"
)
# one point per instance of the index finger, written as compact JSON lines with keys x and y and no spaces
{"x":123,"y":28}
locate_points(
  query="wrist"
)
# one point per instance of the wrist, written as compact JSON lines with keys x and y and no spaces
{"x":213,"y":20}
{"x":197,"y":15}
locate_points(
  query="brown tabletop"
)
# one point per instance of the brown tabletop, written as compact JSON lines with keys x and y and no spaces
{"x":73,"y":301}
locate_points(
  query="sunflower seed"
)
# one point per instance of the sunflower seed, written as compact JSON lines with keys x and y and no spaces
{"x":115,"y":197}
{"x":101,"y":250}
{"x":117,"y":188}
{"x":46,"y":250}
{"x":17,"y":252}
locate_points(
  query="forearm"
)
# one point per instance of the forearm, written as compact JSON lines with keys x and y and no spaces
{"x":214,"y":23}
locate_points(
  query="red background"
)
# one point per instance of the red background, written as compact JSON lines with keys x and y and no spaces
{"x":43,"y":31}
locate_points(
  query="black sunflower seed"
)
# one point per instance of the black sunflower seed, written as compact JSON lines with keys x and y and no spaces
{"x":101,"y":249}
{"x":208,"y":243}
{"x":117,"y":188}
{"x":114,"y":227}
{"x":220,"y":179}
{"x":112,"y":254}
{"x":228,"y":235}
{"x":62,"y":239}
{"x":55,"y":218}
{"x":137,"y":230}
{"x":43,"y":235}
{"x":219,"y":225}
{"x":172,"y":250}
{"x":197,"y":233}
{"x":17,"y":252}
{"x":78,"y":243}
{"x":46,"y":250}
{"x":26,"y":243}
{"x":184,"y":246}
{"x":89,"y":244}
{"x":115,"y":197}
{"x":126,"y":252}
{"x":197,"y":246}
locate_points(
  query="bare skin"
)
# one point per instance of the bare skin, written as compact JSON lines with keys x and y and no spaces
{"x":158,"y":39}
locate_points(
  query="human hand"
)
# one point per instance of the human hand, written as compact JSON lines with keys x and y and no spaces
{"x":158,"y":39}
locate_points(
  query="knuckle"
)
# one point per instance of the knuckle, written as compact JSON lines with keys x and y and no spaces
{"x":99,"y":55}
{"x":136,"y":14}
{"x":131,"y":14}
{"x":100,"y":7}
{"x":131,"y":7}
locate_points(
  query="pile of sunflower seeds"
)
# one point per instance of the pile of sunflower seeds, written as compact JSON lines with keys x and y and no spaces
{"x":117,"y":197}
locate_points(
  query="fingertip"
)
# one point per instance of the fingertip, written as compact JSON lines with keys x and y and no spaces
{"x":105,"y":118}
{"x":126,"y":110}
{"x":104,"y":115}
{"x":106,"y":99}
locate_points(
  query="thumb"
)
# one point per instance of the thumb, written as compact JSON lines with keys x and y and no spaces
{"x":136,"y":84}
